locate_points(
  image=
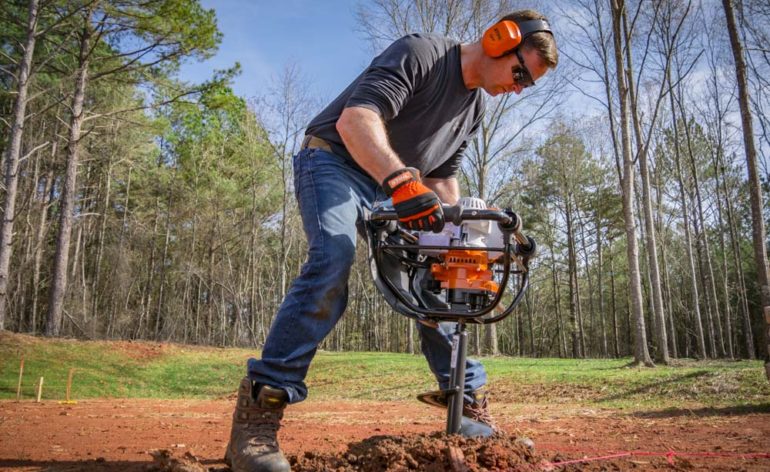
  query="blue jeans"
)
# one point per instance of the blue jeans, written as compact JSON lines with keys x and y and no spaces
{"x":332,"y":196}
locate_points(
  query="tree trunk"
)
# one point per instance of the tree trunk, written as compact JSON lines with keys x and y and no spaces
{"x":647,"y":304}
{"x":209,"y":285}
{"x":669,"y":306}
{"x":658,"y":311}
{"x":693,"y":276}
{"x":76,"y":259}
{"x":557,"y":308}
{"x":591,"y":310}
{"x":613,"y":305}
{"x":61,"y":258}
{"x":95,"y":289}
{"x":13,"y":156}
{"x":42,"y":226}
{"x":748,"y":336}
{"x":702,"y":247}
{"x":755,"y":189}
{"x":410,"y":337}
{"x":188,"y":284}
{"x":658,"y":314}
{"x":688,"y":240}
{"x":159,"y":312}
{"x":704,"y":283}
{"x":146,"y":294}
{"x":121,"y":242}
{"x":641,"y":353}
{"x":285,"y":207}
{"x":600,"y":282}
{"x":530,"y":318}
{"x":723,"y":251}
{"x":490,"y":339}
{"x":577,"y":352}
{"x":254,"y":292}
{"x":665,"y":282}
{"x":29,"y":246}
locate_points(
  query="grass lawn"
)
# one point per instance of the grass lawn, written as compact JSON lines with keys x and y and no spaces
{"x":151,"y":370}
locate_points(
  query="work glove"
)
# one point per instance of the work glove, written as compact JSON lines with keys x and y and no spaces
{"x":417,"y":206}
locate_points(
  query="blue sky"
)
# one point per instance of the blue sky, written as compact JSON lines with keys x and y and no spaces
{"x":265,"y":35}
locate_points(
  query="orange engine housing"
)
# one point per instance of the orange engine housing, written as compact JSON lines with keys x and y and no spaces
{"x":465,"y":269}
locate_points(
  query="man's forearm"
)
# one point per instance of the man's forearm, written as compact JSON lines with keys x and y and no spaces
{"x":366,"y":139}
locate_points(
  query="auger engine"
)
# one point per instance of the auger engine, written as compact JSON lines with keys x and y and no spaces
{"x":460,"y":272}
{"x":466,"y":270}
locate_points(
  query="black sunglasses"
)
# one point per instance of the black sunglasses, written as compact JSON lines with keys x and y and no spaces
{"x":521,"y":74}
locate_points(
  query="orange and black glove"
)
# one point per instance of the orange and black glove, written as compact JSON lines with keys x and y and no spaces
{"x":417,"y":206}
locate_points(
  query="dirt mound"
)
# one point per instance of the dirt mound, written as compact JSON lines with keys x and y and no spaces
{"x":17,"y":340}
{"x":435,"y":452}
{"x":168,"y":461}
{"x":138,"y":350}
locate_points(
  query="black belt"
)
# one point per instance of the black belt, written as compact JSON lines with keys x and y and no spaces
{"x":312,"y":142}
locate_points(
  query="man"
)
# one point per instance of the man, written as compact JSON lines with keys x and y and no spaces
{"x":398,"y":131}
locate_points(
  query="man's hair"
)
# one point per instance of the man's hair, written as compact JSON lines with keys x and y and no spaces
{"x":542,"y":42}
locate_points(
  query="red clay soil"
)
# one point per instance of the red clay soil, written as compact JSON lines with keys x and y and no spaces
{"x":190,"y":436}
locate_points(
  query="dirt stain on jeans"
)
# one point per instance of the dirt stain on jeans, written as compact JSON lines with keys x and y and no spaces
{"x":327,"y":303}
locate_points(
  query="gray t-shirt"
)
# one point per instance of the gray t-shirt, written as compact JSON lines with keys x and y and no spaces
{"x":416,"y":86}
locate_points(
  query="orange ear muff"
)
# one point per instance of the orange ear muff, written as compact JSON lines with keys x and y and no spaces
{"x":501,"y":38}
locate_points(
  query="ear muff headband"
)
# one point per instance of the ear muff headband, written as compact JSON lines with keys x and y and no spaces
{"x":505,"y":36}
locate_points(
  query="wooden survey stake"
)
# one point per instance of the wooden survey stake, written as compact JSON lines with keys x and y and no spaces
{"x":21,"y":374}
{"x":67,"y":400}
{"x":39,"y":389}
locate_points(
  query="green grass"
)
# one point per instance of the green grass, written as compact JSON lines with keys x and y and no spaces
{"x":150,"y":370}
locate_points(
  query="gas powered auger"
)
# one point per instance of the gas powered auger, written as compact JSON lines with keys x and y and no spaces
{"x":460,"y":275}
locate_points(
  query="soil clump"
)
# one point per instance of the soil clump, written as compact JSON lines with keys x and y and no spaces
{"x":436,"y":452}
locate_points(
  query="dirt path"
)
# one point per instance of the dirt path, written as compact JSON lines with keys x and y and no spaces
{"x":97,"y":435}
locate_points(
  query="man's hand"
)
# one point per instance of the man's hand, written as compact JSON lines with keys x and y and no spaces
{"x":417,"y":206}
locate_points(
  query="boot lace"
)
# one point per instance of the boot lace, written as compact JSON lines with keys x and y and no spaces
{"x":262,"y":432}
{"x":479,"y":411}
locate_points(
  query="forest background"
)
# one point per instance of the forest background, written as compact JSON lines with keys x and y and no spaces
{"x":136,"y":205}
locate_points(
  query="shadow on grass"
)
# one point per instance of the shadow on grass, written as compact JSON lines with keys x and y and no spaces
{"x":654,"y":386}
{"x":705,"y":411}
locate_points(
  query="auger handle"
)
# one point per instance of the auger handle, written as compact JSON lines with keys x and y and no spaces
{"x":509,"y":222}
{"x":457,"y":214}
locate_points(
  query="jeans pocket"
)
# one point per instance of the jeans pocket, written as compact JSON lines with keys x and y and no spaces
{"x":300,"y":164}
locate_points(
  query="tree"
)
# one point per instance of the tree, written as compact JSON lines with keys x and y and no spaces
{"x":558,"y":183}
{"x":755,"y":190}
{"x":154,"y":34}
{"x":641,"y":352}
{"x":13,"y":152}
{"x":671,"y":28}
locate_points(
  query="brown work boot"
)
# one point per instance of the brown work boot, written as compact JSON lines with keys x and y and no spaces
{"x":253,"y":445}
{"x":477,"y":410}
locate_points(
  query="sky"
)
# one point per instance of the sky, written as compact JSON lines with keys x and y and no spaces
{"x":266,"y":35}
